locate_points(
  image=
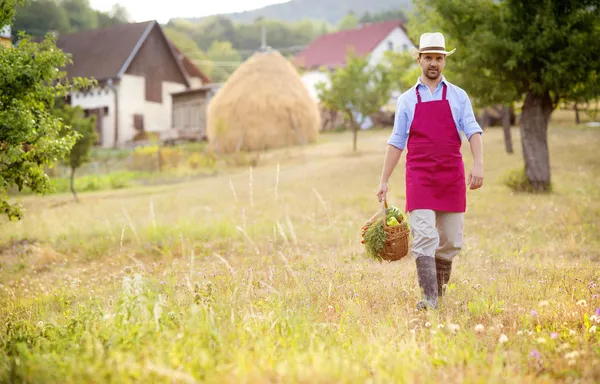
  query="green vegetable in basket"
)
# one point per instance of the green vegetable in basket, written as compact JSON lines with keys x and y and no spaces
{"x":374,"y":235}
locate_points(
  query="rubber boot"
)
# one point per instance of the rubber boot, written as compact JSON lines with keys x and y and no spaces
{"x":427,"y":282}
{"x":443,"y":269}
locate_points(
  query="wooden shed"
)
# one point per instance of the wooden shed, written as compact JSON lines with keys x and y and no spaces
{"x":189,"y":112}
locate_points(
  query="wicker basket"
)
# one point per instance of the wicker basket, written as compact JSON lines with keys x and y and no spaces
{"x":397,"y":238}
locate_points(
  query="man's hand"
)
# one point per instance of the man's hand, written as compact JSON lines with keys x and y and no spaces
{"x":476,"y":177}
{"x":382,"y":192}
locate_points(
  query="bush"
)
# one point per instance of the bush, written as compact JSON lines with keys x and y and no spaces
{"x":518,"y":181}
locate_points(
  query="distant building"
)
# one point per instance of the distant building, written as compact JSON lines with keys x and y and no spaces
{"x":329,"y":52}
{"x":6,"y":36}
{"x":137,"y":69}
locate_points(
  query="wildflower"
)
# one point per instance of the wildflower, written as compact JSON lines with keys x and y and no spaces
{"x":572,"y":332}
{"x":541,"y":340}
{"x":441,"y":326}
{"x":582,"y":303}
{"x":534,"y":313}
{"x":454,"y":328}
{"x":572,"y":355}
{"x":592,"y":329}
{"x":554,"y":335}
{"x":535,"y":354}
{"x":479,"y":328}
{"x":519,"y":333}
{"x":544,"y":303}
{"x":427,"y":324}
{"x":503,"y":339}
{"x":598,"y":312}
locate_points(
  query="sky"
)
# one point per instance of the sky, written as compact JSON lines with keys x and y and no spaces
{"x":165,"y":10}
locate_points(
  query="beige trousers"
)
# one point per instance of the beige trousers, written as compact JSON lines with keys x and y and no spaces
{"x":436,"y":234}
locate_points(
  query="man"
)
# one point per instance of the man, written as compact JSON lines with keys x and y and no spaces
{"x":428,"y":123}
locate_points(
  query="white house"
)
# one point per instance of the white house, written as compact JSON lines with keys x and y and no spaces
{"x":137,"y":69}
{"x":328,"y":52}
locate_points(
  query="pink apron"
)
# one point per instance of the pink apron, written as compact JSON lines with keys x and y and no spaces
{"x":435,"y":173}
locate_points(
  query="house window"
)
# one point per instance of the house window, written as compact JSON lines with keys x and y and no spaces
{"x":153,"y":89}
{"x":405,"y":47}
{"x":138,"y":122}
{"x":390,"y":45}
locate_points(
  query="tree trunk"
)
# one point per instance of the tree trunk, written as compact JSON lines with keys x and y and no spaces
{"x":355,"y":136}
{"x":73,"y":184}
{"x":577,"y":120}
{"x":534,"y":139}
{"x":506,"y":125}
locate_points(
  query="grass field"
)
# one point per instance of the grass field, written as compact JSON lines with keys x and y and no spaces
{"x":258,"y":276}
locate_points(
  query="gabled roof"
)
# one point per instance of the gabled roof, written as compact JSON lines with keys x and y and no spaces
{"x":106,"y":53}
{"x":330,"y":50}
{"x":189,"y":66}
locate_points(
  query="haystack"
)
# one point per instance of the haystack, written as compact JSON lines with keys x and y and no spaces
{"x":263,"y":105}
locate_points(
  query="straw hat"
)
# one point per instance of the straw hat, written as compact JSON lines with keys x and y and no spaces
{"x":432,"y":42}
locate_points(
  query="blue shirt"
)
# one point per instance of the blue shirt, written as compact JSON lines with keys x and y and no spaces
{"x":462,"y":111}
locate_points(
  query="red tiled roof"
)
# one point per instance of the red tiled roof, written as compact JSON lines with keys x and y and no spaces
{"x":330,"y":50}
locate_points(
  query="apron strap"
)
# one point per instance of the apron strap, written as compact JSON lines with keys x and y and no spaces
{"x":444,"y":92}
{"x":418,"y":94}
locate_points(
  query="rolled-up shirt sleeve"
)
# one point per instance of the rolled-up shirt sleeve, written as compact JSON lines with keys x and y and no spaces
{"x":399,"y":134}
{"x":468,"y":122}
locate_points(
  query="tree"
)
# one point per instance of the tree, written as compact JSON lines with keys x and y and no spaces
{"x":349,"y":21}
{"x":532,"y":52}
{"x":31,"y":136}
{"x":74,"y":119}
{"x":357,"y":90}
{"x":226,"y":58}
{"x":403,"y":69}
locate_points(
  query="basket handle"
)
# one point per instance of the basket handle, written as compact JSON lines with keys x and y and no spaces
{"x":384,"y":205}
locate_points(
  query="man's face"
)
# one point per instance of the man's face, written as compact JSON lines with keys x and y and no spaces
{"x":432,"y":64}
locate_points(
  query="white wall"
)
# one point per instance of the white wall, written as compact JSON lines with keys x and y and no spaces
{"x":132,"y":100}
{"x":99,"y":98}
{"x":400,"y":42}
{"x":311,"y":78}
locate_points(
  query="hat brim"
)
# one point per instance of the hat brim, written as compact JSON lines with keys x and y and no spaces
{"x":414,"y":52}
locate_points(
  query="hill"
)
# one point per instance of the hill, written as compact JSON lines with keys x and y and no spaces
{"x":331,"y":11}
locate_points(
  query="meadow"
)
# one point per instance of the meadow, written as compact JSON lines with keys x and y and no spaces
{"x":257,"y":275}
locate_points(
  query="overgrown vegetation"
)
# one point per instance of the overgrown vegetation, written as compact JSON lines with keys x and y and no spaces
{"x":259,"y":275}
{"x":31,"y":136}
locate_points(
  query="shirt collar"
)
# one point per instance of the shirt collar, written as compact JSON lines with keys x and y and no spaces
{"x":443,"y":81}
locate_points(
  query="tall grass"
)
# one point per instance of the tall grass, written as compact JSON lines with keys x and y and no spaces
{"x":259,"y":276}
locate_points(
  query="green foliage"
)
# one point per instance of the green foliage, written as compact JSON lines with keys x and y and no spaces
{"x":350,"y":21}
{"x":517,"y":181}
{"x":357,"y":90}
{"x":515,"y":46}
{"x":403,"y":69}
{"x":38,"y":17}
{"x":31,"y":137}
{"x":74,"y":120}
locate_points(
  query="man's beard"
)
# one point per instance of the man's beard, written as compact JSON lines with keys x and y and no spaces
{"x":432,"y":74}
